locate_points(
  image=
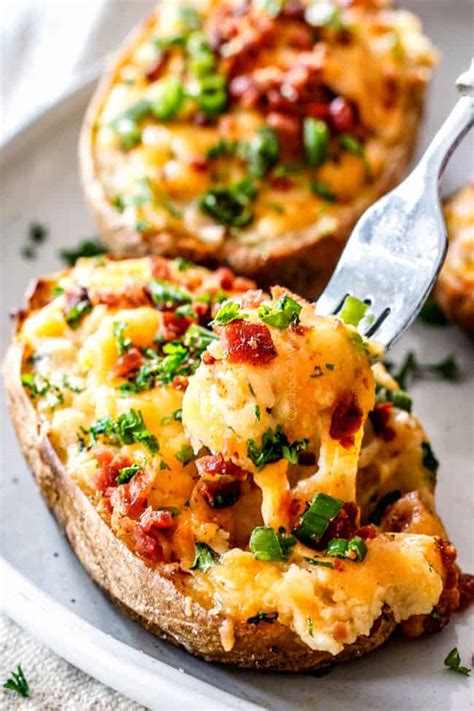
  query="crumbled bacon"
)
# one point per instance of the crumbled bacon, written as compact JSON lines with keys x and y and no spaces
{"x":221,"y":493}
{"x":199,"y":164}
{"x":110,"y":465}
{"x":245,"y":342}
{"x":180,"y":382}
{"x":207,"y":358}
{"x":160,"y":268}
{"x":156,"y":70}
{"x":342,"y":115}
{"x":216,"y":465}
{"x":144,"y":544}
{"x":346,"y":420}
{"x":160,"y":519}
{"x":131,"y":296}
{"x":380,"y":417}
{"x":172,"y":327}
{"x":128,"y":363}
{"x":367,"y":532}
{"x":344,"y":525}
{"x":131,"y":499}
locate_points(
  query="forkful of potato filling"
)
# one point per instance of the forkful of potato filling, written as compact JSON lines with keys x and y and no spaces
{"x":283,"y":386}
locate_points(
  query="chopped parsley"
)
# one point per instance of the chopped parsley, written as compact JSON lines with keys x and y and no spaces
{"x":204,"y":557}
{"x":128,"y":428}
{"x":257,"y":413}
{"x":411,"y":368}
{"x":87,"y":248}
{"x":164,"y":293}
{"x":230,"y":205}
{"x":274,"y":446}
{"x":69,"y":386}
{"x":176,"y":416}
{"x":229,"y":311}
{"x":185,"y":454}
{"x":17,"y":683}
{"x":78,"y":311}
{"x":127,"y":473}
{"x":284,"y":312}
{"x":123,"y":344}
{"x":40,"y":387}
{"x":453,"y":661}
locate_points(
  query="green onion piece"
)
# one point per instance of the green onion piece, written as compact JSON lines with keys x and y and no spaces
{"x":453,"y":661}
{"x":126,"y":473}
{"x":275,"y":446}
{"x":316,"y":141}
{"x":318,"y":562}
{"x":354,"y":549}
{"x":230,"y":205}
{"x":17,"y":683}
{"x":351,"y":145}
{"x":123,"y":344}
{"x":75,"y":315}
{"x":322,"y":190}
{"x":263,"y":151}
{"x":126,"y":124}
{"x":316,"y":518}
{"x":353,"y":311}
{"x":282,"y":313}
{"x":169,"y":99}
{"x":204,"y":557}
{"x":185,"y":454}
{"x":267,"y":544}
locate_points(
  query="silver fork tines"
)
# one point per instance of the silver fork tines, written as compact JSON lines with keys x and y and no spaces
{"x":398,"y":246}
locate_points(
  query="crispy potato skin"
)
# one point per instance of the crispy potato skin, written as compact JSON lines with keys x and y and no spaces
{"x":152,"y":596}
{"x":303,"y":260}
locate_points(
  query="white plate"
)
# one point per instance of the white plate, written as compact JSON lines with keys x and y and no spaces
{"x":50,"y":594}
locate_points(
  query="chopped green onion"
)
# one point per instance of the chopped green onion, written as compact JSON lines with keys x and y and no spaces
{"x":351,"y":145}
{"x":316,"y":518}
{"x":17,"y":683}
{"x":322,"y":190}
{"x":126,"y":124}
{"x":204,"y":557}
{"x":268,"y":544}
{"x":353,"y":549}
{"x":185,"y":454}
{"x":263,"y":151}
{"x":75,"y":314}
{"x":316,"y":141}
{"x":353,"y":311}
{"x":169,"y":99}
{"x":282,"y":313}
{"x":163,"y":292}
{"x":399,"y":398}
{"x":453,"y":661}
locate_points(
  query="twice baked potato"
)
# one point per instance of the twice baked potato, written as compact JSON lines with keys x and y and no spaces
{"x":252,"y":488}
{"x":254,"y":134}
{"x":454,"y":291}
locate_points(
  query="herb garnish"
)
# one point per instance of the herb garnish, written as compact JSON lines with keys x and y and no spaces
{"x":204,"y":557}
{"x":40,"y":387}
{"x":453,"y":661}
{"x":274,"y":446}
{"x":164,"y":293}
{"x":353,"y":549}
{"x":316,"y":141}
{"x":430,"y":461}
{"x":229,"y":311}
{"x":17,"y":683}
{"x":123,"y":344}
{"x":126,"y":473}
{"x":317,"y":562}
{"x":176,"y":416}
{"x":230,"y":205}
{"x":185,"y":454}
{"x":315,"y":520}
{"x":282,"y":313}
{"x":263,"y":152}
{"x":128,"y":428}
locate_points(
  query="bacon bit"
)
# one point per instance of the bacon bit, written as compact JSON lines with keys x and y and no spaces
{"x":346,"y":420}
{"x":220,"y":494}
{"x":245,"y":342}
{"x":242,"y":284}
{"x":160,"y":267}
{"x":344,"y":525}
{"x":466,"y":590}
{"x":172,"y":327}
{"x":342,"y":115}
{"x":300,"y":36}
{"x":367,"y":533}
{"x":318,"y":109}
{"x":110,"y":465}
{"x":281,"y":183}
{"x":157,"y":69}
{"x":144,"y":544}
{"x":156,"y":519}
{"x":288,"y":127}
{"x":132,"y":296}
{"x":299,"y":329}
{"x":180,"y":382}
{"x":216,"y":465}
{"x":131,"y":499}
{"x":225,"y":278}
{"x":379,"y":418}
{"x":339,"y":631}
{"x":207,"y":358}
{"x":293,"y":9}
{"x":338,"y":564}
{"x":199,"y":164}
{"x":130,"y":362}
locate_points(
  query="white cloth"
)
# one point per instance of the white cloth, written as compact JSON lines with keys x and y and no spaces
{"x":46,"y":44}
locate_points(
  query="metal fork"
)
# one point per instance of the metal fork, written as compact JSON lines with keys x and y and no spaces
{"x":398,"y":246}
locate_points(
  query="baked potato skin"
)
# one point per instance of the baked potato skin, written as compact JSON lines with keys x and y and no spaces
{"x":150,"y":595}
{"x":303,"y":259}
{"x":454,"y":290}
{"x":147,"y":595}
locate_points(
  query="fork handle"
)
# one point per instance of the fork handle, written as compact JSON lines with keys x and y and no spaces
{"x":451,"y":133}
